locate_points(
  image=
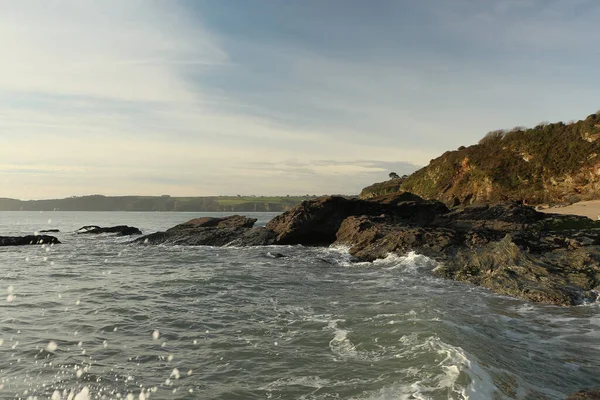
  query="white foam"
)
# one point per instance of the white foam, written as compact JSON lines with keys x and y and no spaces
{"x":454,"y":365}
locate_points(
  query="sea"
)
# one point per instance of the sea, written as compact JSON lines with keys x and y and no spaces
{"x":98,"y":318}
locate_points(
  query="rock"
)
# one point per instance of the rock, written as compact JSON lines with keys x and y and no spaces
{"x":371,"y":238}
{"x":234,"y":221}
{"x":508,"y":248}
{"x":120,"y":230}
{"x":276,"y":255}
{"x":585,"y":395}
{"x":235,"y":230}
{"x":316,"y":222}
{"x":27,"y":240}
{"x":49,"y":231}
{"x":260,"y":236}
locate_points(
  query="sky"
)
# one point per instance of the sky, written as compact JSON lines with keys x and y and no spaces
{"x":270,"y":97}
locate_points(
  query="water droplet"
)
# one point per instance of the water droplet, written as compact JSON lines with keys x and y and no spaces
{"x":52,"y":346}
{"x":84,"y":394}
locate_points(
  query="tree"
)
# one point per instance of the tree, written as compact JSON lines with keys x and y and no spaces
{"x":393,"y":175}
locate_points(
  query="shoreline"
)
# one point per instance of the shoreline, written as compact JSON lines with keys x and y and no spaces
{"x":590,"y":209}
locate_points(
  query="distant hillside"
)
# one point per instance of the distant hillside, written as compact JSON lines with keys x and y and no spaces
{"x":154,"y":203}
{"x":551,"y":163}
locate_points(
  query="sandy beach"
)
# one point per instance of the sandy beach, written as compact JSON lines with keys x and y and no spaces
{"x":590,"y":209}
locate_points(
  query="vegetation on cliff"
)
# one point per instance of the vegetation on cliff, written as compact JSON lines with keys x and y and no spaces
{"x":550,"y":163}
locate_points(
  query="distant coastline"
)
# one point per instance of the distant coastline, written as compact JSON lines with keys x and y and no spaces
{"x":157,"y":203}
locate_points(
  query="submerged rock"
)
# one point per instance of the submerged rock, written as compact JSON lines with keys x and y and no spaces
{"x":120,"y":230}
{"x":235,"y":230}
{"x":27,"y":240}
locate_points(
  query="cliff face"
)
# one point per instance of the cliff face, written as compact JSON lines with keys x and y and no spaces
{"x":551,"y":163}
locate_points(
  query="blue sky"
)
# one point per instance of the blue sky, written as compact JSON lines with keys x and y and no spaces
{"x":274,"y":97}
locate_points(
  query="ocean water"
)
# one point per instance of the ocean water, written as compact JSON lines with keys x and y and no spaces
{"x":97,"y":318}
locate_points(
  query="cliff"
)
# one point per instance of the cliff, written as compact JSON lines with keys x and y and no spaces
{"x":551,"y":163}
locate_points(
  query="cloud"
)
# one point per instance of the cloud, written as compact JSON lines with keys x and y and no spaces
{"x":109,"y":50}
{"x":156,"y":97}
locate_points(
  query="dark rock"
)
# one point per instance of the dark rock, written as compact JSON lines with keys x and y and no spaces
{"x":316,"y":222}
{"x":585,"y":395}
{"x":120,"y":230}
{"x":276,"y":255}
{"x":49,"y":231}
{"x":509,"y":248}
{"x":255,"y":237}
{"x":27,"y":240}
{"x":235,"y":230}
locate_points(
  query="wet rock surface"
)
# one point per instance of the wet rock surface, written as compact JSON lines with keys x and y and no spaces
{"x":27,"y":240}
{"x":235,"y":230}
{"x":509,"y":248}
{"x":316,"y":222}
{"x":120,"y":230}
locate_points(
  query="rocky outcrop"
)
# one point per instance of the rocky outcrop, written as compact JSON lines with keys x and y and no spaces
{"x":508,"y":248}
{"x":234,"y":230}
{"x":316,"y":222}
{"x":119,"y":230}
{"x":27,"y":240}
